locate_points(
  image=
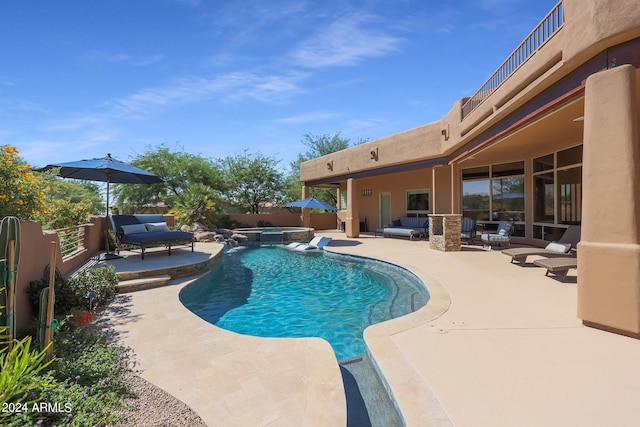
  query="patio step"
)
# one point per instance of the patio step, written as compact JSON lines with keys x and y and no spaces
{"x":142,"y":283}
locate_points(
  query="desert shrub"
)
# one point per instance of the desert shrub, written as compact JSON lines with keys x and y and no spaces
{"x":263,"y":223}
{"x":19,"y":376}
{"x":225,"y":221}
{"x":89,"y":374}
{"x":71,"y":292}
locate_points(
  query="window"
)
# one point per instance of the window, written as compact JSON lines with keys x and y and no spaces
{"x":557,"y":192}
{"x":494,"y":193}
{"x":417,"y":202}
{"x":343,"y":200}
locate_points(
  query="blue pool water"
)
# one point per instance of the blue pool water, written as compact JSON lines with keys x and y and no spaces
{"x":276,"y":292}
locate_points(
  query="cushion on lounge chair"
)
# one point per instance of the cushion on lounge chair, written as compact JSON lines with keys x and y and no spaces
{"x":558,"y":247}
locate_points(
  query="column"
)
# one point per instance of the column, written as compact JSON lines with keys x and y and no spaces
{"x":609,"y":250}
{"x":306,"y":213}
{"x":353,"y":220}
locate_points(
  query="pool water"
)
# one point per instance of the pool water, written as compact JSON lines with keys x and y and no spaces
{"x":276,"y":292}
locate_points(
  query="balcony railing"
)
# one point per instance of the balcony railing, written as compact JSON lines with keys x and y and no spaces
{"x":71,"y":239}
{"x":543,"y":32}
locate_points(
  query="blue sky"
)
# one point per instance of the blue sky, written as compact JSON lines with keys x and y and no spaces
{"x":82,"y":78}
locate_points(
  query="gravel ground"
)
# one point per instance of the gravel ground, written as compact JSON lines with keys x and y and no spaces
{"x":154,"y":407}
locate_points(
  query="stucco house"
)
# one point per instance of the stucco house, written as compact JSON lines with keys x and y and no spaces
{"x":551,"y":139}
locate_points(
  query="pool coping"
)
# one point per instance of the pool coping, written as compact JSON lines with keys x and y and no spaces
{"x":240,"y":379}
{"x":414,"y":400}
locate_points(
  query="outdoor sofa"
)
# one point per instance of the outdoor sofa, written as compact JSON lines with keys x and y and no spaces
{"x":406,"y":226}
{"x":147,"y":230}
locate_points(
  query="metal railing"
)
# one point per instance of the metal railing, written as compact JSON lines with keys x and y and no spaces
{"x":71,"y":239}
{"x":543,"y":32}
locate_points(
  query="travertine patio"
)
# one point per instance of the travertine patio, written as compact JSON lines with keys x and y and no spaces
{"x":498,"y":344}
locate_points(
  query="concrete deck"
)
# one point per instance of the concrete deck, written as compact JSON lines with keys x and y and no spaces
{"x":497,"y":345}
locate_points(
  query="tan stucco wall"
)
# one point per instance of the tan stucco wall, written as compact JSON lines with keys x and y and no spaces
{"x":609,"y":251}
{"x":590,"y":26}
{"x":396,"y":185}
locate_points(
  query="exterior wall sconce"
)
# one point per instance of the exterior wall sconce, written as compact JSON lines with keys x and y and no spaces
{"x":367,"y":191}
{"x":445,"y":133}
{"x":374,"y":154}
{"x":330,"y":165}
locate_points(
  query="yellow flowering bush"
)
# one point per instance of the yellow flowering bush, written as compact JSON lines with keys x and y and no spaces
{"x":22,"y":193}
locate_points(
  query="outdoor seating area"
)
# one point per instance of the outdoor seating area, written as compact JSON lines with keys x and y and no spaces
{"x":411,"y":227}
{"x":146,"y":230}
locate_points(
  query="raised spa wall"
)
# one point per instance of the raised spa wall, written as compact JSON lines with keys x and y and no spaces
{"x":288,"y":235}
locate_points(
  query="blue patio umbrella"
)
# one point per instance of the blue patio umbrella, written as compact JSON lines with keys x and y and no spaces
{"x":104,"y":169}
{"x":312,"y":203}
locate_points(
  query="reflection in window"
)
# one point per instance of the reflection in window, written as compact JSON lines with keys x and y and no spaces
{"x":417,"y":202}
{"x":475,"y":199}
{"x":499,"y":196}
{"x":508,"y":198}
{"x":557,"y":192}
{"x":570,"y":196}
{"x":543,"y":197}
{"x":343,"y":200}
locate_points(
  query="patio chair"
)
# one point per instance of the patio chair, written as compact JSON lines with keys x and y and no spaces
{"x":502,"y":236}
{"x":468,"y":230}
{"x":564,"y":247}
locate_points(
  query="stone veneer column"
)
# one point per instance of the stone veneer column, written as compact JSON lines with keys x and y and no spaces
{"x":444,"y":232}
{"x":609,"y":250}
{"x":352,"y":220}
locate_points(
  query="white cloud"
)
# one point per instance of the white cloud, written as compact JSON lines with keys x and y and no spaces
{"x":124,"y":58}
{"x":231,"y":86}
{"x":345,"y":42}
{"x":307,"y":118}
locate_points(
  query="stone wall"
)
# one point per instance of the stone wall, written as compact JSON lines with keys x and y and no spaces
{"x":444,"y":232}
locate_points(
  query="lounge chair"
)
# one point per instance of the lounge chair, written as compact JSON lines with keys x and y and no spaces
{"x":501,"y":237}
{"x":558,"y":266}
{"x":560,"y":248}
{"x":468,"y":230}
{"x":315,"y":243}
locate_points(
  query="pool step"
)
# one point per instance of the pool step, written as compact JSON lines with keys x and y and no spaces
{"x":142,"y":283}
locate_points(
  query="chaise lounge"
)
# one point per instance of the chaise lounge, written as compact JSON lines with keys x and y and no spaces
{"x":558,"y":266}
{"x":406,"y":226}
{"x":147,"y":230}
{"x":315,"y":243}
{"x":561,"y":248}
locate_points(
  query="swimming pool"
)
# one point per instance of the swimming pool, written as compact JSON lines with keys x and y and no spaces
{"x":275,"y":292}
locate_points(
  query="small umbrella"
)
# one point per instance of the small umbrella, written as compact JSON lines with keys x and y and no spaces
{"x":312,"y":203}
{"x":104,"y":169}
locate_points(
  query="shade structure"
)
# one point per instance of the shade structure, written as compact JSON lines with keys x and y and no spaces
{"x":104,"y":169}
{"x":312,"y":203}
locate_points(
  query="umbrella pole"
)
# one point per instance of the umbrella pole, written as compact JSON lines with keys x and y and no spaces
{"x":106,"y":230}
{"x":107,"y":251}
